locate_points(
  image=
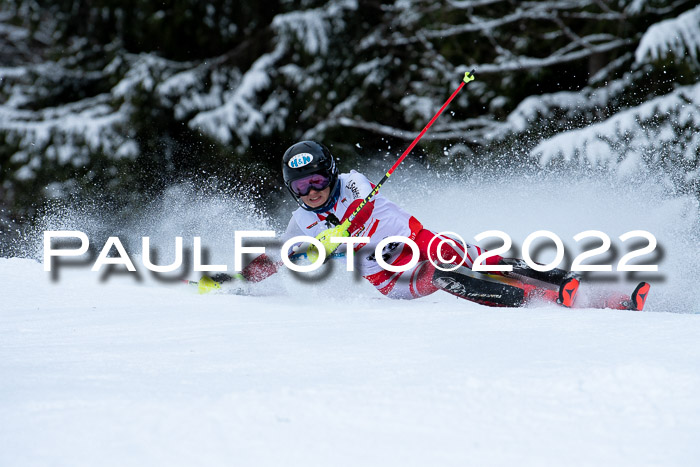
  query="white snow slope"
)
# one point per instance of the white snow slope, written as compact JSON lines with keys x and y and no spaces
{"x":123,"y":372}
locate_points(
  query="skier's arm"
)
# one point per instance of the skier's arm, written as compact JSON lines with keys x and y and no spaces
{"x":264,"y":265}
{"x":260,"y":268}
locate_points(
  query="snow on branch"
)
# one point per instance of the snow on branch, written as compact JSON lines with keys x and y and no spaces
{"x":622,"y":141}
{"x":70,"y":134}
{"x":145,"y":71}
{"x":572,"y":103}
{"x":239,"y":114}
{"x":242,"y":110}
{"x":468,"y":4}
{"x":313,"y":28}
{"x":464,"y":130}
{"x":529,"y":63}
{"x":65,"y":134}
{"x":679,"y":37}
{"x":526,"y":11}
{"x":310,"y":27}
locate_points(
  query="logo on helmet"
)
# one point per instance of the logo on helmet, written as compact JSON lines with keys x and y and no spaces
{"x":300,"y":160}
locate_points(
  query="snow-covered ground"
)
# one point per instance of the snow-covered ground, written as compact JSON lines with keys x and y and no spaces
{"x":128,"y":372}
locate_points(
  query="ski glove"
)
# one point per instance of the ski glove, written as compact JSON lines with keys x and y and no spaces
{"x":325,"y":239}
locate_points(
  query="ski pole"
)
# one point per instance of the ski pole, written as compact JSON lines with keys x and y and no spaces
{"x":468,"y":76}
{"x":342,"y":230}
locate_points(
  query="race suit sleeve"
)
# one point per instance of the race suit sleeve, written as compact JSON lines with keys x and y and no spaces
{"x":260,"y":268}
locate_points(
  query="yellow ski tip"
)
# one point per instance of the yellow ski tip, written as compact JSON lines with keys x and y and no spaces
{"x":207,"y":284}
{"x":468,"y":76}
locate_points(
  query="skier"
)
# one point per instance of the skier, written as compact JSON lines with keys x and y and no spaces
{"x":326,"y":199}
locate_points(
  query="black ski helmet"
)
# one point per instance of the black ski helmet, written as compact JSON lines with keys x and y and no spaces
{"x":308,"y":158}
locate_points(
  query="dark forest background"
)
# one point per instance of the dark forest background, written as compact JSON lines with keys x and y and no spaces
{"x":117,"y":100}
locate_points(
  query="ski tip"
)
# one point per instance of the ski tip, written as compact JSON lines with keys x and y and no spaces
{"x":639,"y":296}
{"x":206,"y":284}
{"x":568,"y":291}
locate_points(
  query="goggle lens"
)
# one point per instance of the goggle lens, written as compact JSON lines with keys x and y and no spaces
{"x":303,"y":186}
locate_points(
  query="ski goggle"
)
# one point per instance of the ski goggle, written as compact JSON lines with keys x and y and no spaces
{"x":303,"y":186}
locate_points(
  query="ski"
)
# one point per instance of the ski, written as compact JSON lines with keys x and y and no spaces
{"x":638,"y":298}
{"x":481,"y":288}
{"x":567,"y":292}
{"x":507,"y":291}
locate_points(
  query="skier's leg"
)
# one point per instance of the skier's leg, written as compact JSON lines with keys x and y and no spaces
{"x":491,"y":290}
{"x":413,"y":283}
{"x":488,"y":289}
{"x":456,"y":253}
{"x":567,"y":281}
{"x":425,"y":279}
{"x":465,"y":283}
{"x":418,"y":281}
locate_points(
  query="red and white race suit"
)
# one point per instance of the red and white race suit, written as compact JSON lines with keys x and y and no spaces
{"x":378,"y":220}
